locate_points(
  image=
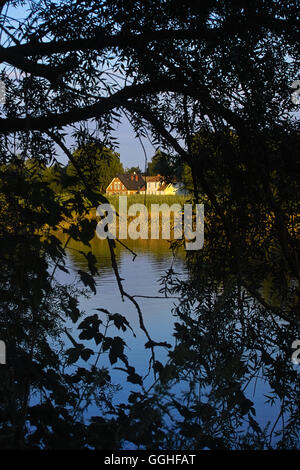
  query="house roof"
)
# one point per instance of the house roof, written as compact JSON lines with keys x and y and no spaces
{"x":153,"y":179}
{"x":132,"y":181}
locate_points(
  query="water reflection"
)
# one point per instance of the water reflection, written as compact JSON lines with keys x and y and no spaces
{"x":228,"y":380}
{"x":233,"y":353}
{"x":141,"y":277}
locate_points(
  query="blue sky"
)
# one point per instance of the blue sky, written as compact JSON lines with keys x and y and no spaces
{"x":127,"y":145}
{"x":130,"y":149}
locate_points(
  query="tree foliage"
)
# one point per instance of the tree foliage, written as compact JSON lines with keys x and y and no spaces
{"x":98,"y":165}
{"x":210,"y":82}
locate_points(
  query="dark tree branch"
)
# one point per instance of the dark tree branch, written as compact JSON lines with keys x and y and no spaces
{"x":102,"y":41}
{"x":120,"y":98}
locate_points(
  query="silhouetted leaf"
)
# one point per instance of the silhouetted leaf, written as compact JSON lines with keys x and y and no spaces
{"x":87,"y":280}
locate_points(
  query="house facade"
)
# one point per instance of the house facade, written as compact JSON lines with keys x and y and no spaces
{"x":175,"y":188}
{"x":134,"y":183}
{"x":154,"y":184}
{"x":126,"y":184}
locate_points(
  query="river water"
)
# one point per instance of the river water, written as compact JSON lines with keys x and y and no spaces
{"x":141,"y":278}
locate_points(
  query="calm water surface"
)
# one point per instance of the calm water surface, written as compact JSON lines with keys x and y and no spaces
{"x":141,"y":278}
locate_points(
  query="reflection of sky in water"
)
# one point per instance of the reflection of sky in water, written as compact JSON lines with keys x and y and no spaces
{"x":141,"y":277}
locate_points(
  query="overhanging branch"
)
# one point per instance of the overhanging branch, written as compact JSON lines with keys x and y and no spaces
{"x":120,"y":98}
{"x":102,"y":41}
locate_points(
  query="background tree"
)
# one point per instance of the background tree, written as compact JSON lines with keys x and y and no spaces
{"x":133,"y":169}
{"x":54,"y":176}
{"x":99,"y":166}
{"x":161,"y":164}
